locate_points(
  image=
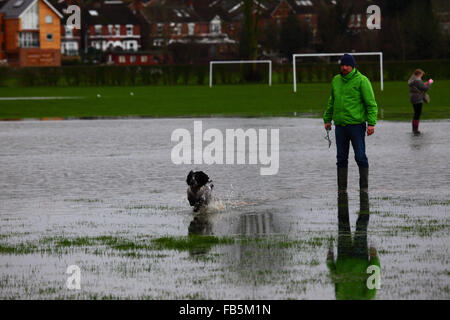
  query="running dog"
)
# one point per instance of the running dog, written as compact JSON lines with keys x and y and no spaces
{"x":199,"y":192}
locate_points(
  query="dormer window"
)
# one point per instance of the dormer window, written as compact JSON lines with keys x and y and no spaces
{"x":129,"y":29}
{"x":191,"y":28}
{"x":215,"y":25}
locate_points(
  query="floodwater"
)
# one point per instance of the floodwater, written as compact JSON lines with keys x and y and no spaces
{"x":71,"y":190}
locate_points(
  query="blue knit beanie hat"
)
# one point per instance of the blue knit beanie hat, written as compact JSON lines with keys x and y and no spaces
{"x":348,"y":60}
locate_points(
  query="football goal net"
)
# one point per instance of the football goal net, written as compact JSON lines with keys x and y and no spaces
{"x":301,"y":55}
{"x":212,"y":63}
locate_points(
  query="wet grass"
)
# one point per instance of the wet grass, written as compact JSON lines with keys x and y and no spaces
{"x":135,"y":248}
{"x":231,"y":100}
{"x":423,"y":228}
{"x":84,"y":200}
{"x":148,"y":206}
{"x":191,"y":242}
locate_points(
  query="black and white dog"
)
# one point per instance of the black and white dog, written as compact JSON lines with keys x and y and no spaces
{"x":199,"y":190}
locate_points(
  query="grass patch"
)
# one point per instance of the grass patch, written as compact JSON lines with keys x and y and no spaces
{"x":23,"y":248}
{"x":421,"y":228}
{"x":191,"y":242}
{"x":134,"y":248}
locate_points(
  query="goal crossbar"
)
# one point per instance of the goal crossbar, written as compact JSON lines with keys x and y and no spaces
{"x":298,"y":55}
{"x":211,"y":63}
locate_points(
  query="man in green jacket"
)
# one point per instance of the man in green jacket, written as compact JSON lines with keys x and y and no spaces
{"x":351,"y":104}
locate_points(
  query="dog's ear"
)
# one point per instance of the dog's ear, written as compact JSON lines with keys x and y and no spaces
{"x":191,"y":173}
{"x":202,"y":178}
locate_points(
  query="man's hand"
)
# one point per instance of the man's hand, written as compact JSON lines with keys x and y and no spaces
{"x":327,"y":126}
{"x":370,"y":130}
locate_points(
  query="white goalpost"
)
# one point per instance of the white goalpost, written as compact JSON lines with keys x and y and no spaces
{"x":211,"y":63}
{"x":294,"y":56}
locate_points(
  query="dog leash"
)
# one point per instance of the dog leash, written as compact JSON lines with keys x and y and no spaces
{"x":327,"y":137}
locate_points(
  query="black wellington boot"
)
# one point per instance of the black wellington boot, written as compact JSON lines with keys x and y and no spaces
{"x":342,"y":174}
{"x":363,"y":179}
{"x":364,"y":203}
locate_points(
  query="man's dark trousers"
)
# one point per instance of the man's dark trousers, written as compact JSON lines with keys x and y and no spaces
{"x":354,"y":133}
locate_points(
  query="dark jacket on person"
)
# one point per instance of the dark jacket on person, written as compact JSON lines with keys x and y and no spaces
{"x":417,"y":89}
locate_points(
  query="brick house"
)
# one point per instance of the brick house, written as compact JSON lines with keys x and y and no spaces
{"x":111,"y":25}
{"x":32,"y":34}
{"x":2,"y":40}
{"x":305,"y":10}
{"x":193,"y":23}
{"x":217,"y":23}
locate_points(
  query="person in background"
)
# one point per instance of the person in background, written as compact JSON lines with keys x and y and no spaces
{"x":351,"y":104}
{"x":417,"y":90}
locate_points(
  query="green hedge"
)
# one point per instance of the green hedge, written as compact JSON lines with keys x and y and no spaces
{"x":199,"y":74}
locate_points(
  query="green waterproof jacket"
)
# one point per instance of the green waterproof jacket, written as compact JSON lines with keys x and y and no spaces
{"x":351,"y":100}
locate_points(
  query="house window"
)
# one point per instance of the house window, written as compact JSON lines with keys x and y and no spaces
{"x":158,"y":42}
{"x":29,"y":39}
{"x":48,"y":19}
{"x":179,"y":28}
{"x":160,"y":27}
{"x":191,"y":29}
{"x":144,"y":59}
{"x":132,"y":59}
{"x":117,"y":28}
{"x":132,"y":45}
{"x":122,"y":59}
{"x":98,"y":29}
{"x":71,"y":48}
{"x":69,"y":31}
{"x":308,"y":18}
{"x":215,"y":26}
{"x":110,"y":28}
{"x":49,"y":37}
{"x":129,"y":29}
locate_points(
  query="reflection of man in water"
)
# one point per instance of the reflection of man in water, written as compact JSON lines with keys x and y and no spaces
{"x":349,"y":271}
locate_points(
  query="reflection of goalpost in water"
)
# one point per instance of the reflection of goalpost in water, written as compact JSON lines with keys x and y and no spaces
{"x":294,"y":56}
{"x":211,"y":63}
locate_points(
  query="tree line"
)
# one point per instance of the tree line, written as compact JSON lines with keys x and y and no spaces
{"x":410,"y":30}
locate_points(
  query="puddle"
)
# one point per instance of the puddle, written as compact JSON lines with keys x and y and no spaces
{"x":105,"y":195}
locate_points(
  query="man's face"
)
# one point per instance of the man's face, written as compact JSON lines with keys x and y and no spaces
{"x":346,"y":69}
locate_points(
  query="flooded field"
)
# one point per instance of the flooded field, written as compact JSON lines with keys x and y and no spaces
{"x":105,"y":195}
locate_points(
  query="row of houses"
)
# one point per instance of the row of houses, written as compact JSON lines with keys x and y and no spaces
{"x":138,"y":32}
{"x":36,"y":32}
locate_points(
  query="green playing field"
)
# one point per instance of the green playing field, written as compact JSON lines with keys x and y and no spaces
{"x":226,"y":100}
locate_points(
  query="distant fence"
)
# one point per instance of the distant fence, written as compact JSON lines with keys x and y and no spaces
{"x":199,"y":74}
